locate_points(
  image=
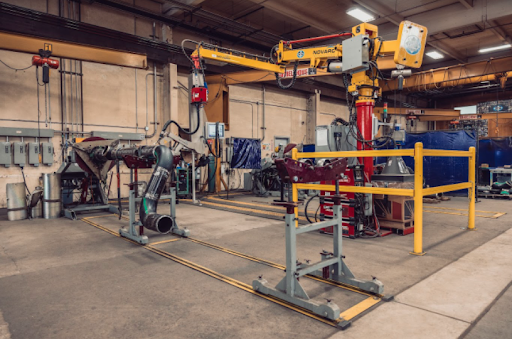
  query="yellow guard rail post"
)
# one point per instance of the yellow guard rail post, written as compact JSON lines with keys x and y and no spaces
{"x":472,"y":193}
{"x":418,"y":199}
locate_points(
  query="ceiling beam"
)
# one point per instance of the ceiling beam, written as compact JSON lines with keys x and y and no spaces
{"x":390,"y":15}
{"x":25,"y":44}
{"x":499,"y":32}
{"x":248,"y":13}
{"x":291,"y":12}
{"x":453,"y":76}
{"x":467,"y":3}
{"x":452,"y":17}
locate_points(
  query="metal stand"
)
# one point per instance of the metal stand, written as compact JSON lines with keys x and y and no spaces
{"x":330,"y":266}
{"x":132,"y":232}
{"x":175,"y":229}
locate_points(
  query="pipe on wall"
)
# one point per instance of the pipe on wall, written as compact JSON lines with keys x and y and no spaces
{"x":136,"y":105}
{"x":155,"y":106}
{"x":263,"y":127}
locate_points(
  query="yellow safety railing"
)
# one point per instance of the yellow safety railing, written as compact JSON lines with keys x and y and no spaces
{"x":417,"y":193}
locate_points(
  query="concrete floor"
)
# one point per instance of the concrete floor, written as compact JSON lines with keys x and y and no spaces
{"x":62,"y":279}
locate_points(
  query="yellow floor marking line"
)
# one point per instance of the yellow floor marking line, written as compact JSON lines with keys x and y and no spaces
{"x":495,"y":216}
{"x":276,"y":265}
{"x":359,"y":308}
{"x":459,"y":209}
{"x":101,"y":216}
{"x":348,"y":314}
{"x":164,"y":241}
{"x":247,"y":209}
{"x":247,"y":203}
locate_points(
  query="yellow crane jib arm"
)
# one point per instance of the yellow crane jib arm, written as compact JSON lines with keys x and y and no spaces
{"x":363,"y":49}
{"x":230,"y":56}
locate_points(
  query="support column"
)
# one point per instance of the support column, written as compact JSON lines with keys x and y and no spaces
{"x":365,"y":124}
{"x":312,"y":116}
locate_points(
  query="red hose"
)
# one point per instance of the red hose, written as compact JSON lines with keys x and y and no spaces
{"x":324,"y":37}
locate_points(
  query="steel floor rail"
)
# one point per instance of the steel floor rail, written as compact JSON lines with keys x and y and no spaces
{"x":348,"y":314}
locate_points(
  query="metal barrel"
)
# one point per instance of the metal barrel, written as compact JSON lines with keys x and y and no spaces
{"x":16,"y":201}
{"x":52,"y":204}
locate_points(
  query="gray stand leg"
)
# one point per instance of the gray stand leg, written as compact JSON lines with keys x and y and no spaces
{"x":175,"y":229}
{"x":132,"y":231}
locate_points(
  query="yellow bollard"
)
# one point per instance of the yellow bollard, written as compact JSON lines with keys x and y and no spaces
{"x":418,"y":199}
{"x":471,"y":190}
{"x":295,"y":192}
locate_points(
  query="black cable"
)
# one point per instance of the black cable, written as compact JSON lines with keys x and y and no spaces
{"x":166,"y":125}
{"x":14,"y":68}
{"x":316,"y":213}
{"x":292,"y":82}
{"x":23,"y":174}
{"x":306,"y":208}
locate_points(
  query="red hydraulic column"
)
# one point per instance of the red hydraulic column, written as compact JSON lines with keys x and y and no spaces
{"x":365,"y":125}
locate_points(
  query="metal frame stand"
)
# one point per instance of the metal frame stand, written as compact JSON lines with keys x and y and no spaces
{"x":330,"y":266}
{"x":175,"y":229}
{"x":132,"y":232}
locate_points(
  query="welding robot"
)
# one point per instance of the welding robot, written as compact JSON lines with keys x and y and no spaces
{"x":98,"y":156}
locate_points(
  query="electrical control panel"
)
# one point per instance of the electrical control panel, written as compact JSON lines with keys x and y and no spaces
{"x":214,"y":129}
{"x":33,"y":153}
{"x":47,"y":153}
{"x":356,"y":55}
{"x":18,"y":150}
{"x":198,"y":95}
{"x":5,"y":153}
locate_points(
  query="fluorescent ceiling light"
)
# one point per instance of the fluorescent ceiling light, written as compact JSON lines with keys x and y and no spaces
{"x":360,"y":15}
{"x":435,"y":55}
{"x":490,"y":49}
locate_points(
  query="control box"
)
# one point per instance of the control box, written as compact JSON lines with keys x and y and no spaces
{"x":356,"y":54}
{"x":211,"y":130}
{"x":198,"y":95}
{"x":47,"y":153}
{"x":33,"y":153}
{"x":18,"y":150}
{"x":335,"y":138}
{"x":5,"y":153}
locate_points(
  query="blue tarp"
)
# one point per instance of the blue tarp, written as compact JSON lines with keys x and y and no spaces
{"x":246,"y":153}
{"x":439,"y":171}
{"x":496,"y":152}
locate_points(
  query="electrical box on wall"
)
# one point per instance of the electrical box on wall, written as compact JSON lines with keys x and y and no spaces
{"x":33,"y":153}
{"x":47,"y":153}
{"x":5,"y":154}
{"x":18,"y":149}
